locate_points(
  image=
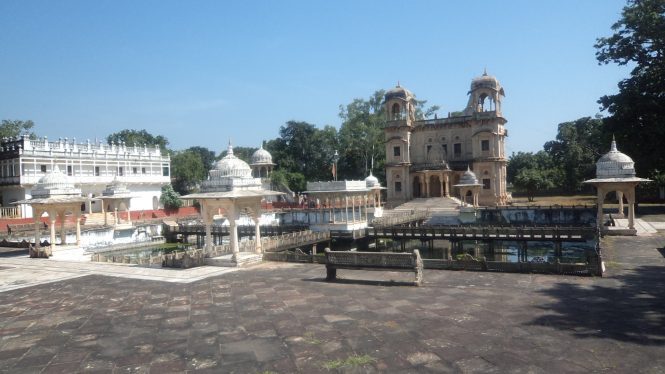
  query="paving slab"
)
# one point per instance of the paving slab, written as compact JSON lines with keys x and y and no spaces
{"x":285,"y":318}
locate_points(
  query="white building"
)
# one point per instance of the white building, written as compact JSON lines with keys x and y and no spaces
{"x":91,"y":166}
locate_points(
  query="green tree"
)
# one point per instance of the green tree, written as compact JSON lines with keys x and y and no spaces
{"x":303,"y":148}
{"x":207,"y":156}
{"x":169,"y":198}
{"x":138,"y":138}
{"x":16,"y":128}
{"x":527,"y":160}
{"x":577,"y":147}
{"x":361,"y":137}
{"x":531,"y":181}
{"x":187,"y":170}
{"x":637,"y":111}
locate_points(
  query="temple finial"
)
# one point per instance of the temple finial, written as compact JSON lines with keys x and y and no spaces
{"x":398,"y":83}
{"x":485,"y":72}
{"x":613,"y":147}
{"x":229,"y":150}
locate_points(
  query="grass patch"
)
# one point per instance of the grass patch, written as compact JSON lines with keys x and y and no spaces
{"x":351,"y":361}
{"x":310,"y":339}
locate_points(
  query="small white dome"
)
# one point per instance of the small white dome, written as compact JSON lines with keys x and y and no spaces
{"x":54,"y":183}
{"x":615,"y":164}
{"x":261,"y":157}
{"x":468,"y":178}
{"x":231,"y":166}
{"x":115,"y":188}
{"x":372,"y":181}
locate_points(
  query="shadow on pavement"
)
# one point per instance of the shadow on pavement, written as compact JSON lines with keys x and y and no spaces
{"x":361,"y":282}
{"x":633,"y":311}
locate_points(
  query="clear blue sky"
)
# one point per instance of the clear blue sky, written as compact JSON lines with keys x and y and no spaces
{"x":201,"y":72}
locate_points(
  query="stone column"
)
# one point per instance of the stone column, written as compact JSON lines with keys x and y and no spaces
{"x":257,"y":234}
{"x":36,"y":215}
{"x":442,"y":185}
{"x":426,"y":179}
{"x":77,"y":215}
{"x":630,"y":196}
{"x":106,"y":221}
{"x":620,"y":197}
{"x":447,"y":185}
{"x":207,"y":221}
{"x":51,"y":218}
{"x":63,"y":237}
{"x":346,"y":209}
{"x":115,"y":214}
{"x":233,"y":231}
{"x":353,"y":209}
{"x":129,"y":216}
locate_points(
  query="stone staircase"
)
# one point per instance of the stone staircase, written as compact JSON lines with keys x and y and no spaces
{"x":97,"y":219}
{"x":441,"y":210}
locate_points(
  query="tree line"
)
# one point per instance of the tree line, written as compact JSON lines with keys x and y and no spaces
{"x":635,"y":115}
{"x":305,"y":152}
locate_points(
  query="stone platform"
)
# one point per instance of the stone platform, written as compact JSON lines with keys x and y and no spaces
{"x":65,"y":317}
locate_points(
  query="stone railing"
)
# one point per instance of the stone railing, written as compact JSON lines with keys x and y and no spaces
{"x":10,"y":212}
{"x":399,"y":219}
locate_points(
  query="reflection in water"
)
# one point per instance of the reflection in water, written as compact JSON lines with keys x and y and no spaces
{"x":498,"y":250}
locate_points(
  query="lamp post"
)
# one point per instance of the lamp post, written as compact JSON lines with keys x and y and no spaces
{"x":335,"y":159}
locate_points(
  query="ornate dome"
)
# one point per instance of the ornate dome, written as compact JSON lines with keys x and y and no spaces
{"x":54,"y":183}
{"x":261,"y":157}
{"x":468,"y":178}
{"x":231,"y":166}
{"x":372,"y":181}
{"x":486,"y":81}
{"x":115,"y":188}
{"x":615,"y":164}
{"x":399,"y":92}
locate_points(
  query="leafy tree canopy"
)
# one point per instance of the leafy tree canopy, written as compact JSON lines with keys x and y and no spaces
{"x":188,"y":170}
{"x":15,"y":128}
{"x":169,"y":198}
{"x":637,"y":111}
{"x":138,"y":138}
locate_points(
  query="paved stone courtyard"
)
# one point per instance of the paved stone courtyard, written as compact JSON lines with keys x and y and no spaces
{"x":283,"y":318}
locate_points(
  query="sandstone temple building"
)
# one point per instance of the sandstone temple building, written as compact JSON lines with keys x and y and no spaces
{"x":426,"y":158}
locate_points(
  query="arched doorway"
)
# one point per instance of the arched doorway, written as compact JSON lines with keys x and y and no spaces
{"x":416,"y":187}
{"x":434,"y":186}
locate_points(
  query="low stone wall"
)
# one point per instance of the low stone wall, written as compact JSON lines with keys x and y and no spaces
{"x":515,"y":267}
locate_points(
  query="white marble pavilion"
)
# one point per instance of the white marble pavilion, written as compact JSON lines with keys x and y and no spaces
{"x":231,"y":190}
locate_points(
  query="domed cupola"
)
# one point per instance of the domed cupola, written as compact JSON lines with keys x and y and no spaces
{"x":400,"y":105}
{"x":615,"y":164}
{"x":468,"y":178}
{"x":261,"y":157}
{"x":371,"y":181}
{"x":116,"y":188}
{"x":399,"y":92}
{"x":231,"y":166}
{"x":486,"y":95}
{"x":55,"y":183}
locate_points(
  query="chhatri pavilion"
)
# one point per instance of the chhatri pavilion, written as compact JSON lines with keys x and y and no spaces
{"x":55,"y":195}
{"x":231,"y":190}
{"x":615,"y":171}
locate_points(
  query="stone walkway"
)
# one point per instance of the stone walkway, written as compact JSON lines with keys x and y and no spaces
{"x":283,"y":318}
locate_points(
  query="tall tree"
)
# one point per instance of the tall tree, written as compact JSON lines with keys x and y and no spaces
{"x":16,"y":128}
{"x":637,"y":112}
{"x":577,"y":147}
{"x":305,"y":149}
{"x":207,"y":156}
{"x":187,"y":170}
{"x":138,"y":137}
{"x":361,"y":137}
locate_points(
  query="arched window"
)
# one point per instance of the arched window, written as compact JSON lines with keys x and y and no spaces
{"x":396,"y":111}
